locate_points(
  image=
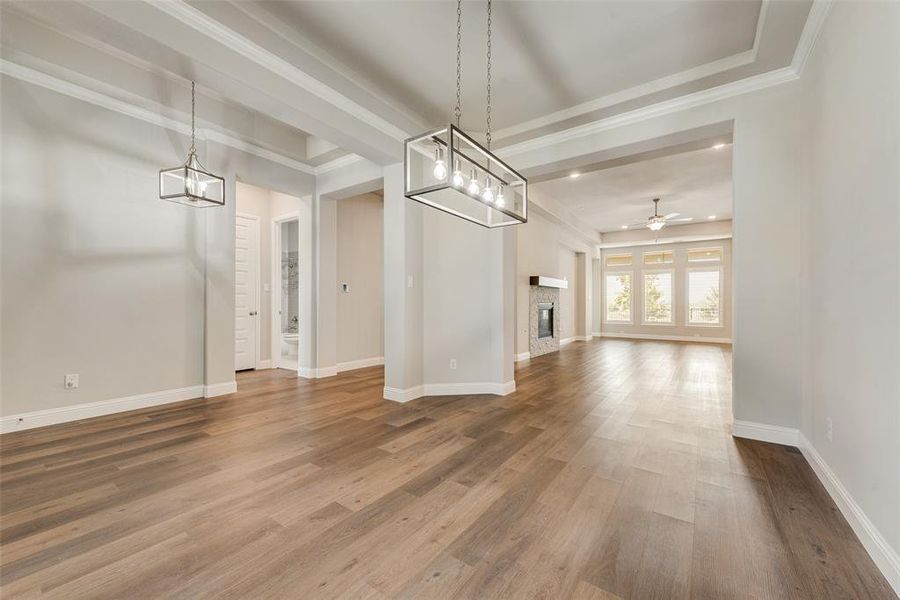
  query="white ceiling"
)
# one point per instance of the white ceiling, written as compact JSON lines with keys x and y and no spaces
{"x":547,"y":56}
{"x":363,"y":75}
{"x":696,"y":184}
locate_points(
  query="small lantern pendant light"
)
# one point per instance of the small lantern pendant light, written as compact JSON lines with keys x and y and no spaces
{"x":503,"y":199}
{"x":190,"y":183}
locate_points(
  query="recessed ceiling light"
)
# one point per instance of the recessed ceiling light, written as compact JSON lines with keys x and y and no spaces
{"x":624,"y":226}
{"x":718,"y":146}
{"x":711,"y":217}
{"x":574,"y":174}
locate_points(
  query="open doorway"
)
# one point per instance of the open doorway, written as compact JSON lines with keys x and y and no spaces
{"x":267,"y":318}
{"x":286,"y":292}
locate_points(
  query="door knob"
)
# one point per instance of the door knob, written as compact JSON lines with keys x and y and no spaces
{"x":253,"y":314}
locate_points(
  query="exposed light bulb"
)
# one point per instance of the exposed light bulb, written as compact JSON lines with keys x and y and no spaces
{"x":624,"y":226}
{"x":440,"y":168}
{"x":473,"y":184}
{"x":656,"y":225}
{"x":458,"y":180}
{"x":711,"y":217}
{"x":718,"y":146}
{"x":500,"y":201}
{"x":488,"y":193}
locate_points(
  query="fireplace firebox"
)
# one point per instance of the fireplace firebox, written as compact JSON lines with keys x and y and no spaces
{"x":545,"y":320}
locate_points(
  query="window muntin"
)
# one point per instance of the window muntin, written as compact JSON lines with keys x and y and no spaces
{"x":618,"y":297}
{"x":701,"y":255}
{"x":618,"y":260}
{"x":704,"y":297}
{"x":658,"y":297}
{"x":660,"y":257}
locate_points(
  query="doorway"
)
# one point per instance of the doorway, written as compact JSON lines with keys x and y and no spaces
{"x":286,"y":291}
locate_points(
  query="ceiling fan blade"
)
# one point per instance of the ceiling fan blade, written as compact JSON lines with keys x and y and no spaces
{"x":683,"y":219}
{"x":671,"y":215}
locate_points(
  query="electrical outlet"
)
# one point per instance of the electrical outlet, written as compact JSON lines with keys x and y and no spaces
{"x":829,"y":429}
{"x":452,"y":364}
{"x":409,"y":281}
{"x":345,"y":287}
{"x":71,"y":382}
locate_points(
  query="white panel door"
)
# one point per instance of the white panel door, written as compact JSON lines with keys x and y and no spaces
{"x":246,"y":292}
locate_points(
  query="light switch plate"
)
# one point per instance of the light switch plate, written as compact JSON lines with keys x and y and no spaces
{"x":71,"y":381}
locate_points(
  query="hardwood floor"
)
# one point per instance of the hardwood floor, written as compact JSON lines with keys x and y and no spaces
{"x":610,"y":473}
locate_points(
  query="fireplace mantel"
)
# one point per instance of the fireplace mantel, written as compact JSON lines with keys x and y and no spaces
{"x":551,"y":282}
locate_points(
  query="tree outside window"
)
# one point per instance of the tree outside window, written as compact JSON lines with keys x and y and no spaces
{"x":658,"y":297}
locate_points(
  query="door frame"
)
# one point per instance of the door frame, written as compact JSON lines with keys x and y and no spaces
{"x":275,"y":300}
{"x":256,"y":284}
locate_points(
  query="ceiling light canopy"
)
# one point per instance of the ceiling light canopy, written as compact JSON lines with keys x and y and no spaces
{"x":447,"y":169}
{"x":190,"y":183}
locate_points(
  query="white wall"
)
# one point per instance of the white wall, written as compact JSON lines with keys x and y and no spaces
{"x":448,"y":296}
{"x":99,"y":276}
{"x":360,"y":263}
{"x":680,"y":268}
{"x":567,"y":297}
{"x":544,"y":247}
{"x":852,"y":87}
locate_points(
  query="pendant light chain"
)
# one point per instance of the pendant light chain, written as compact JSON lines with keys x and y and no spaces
{"x":193,"y":149}
{"x":458,"y":110}
{"x":488,"y":137}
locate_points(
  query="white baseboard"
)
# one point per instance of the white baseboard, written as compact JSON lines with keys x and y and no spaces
{"x":582,"y":338}
{"x":565,"y":341}
{"x":360,"y":364}
{"x":522,"y":356}
{"x":449,"y":389}
{"x":883,"y":555}
{"x":308,"y":373}
{"x":765,"y":433}
{"x":87,"y":410}
{"x":219,"y":389}
{"x":664,"y":338}
{"x":403,"y":395}
{"x":886,"y":558}
{"x":263,"y":364}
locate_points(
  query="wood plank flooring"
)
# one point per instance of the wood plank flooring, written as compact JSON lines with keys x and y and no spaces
{"x":609,"y":473}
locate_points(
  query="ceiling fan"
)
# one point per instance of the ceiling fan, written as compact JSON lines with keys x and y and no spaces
{"x":657,"y":221}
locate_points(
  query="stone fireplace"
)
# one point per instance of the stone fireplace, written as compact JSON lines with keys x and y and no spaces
{"x":544,"y":315}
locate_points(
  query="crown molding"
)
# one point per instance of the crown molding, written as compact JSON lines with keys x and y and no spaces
{"x":645,"y":89}
{"x":818,"y":12}
{"x":703,"y":237}
{"x":338,"y":163}
{"x":722,"y":92}
{"x":78,"y":92}
{"x":815,"y":20}
{"x":211,"y":28}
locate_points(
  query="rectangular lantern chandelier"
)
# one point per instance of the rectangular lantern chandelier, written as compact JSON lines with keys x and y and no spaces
{"x":448,"y":170}
{"x":190,"y":183}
